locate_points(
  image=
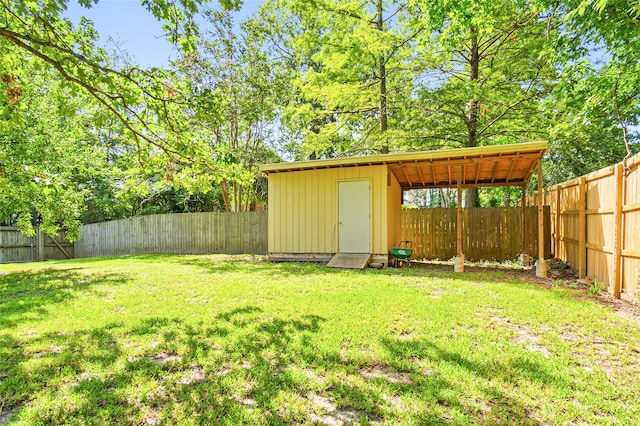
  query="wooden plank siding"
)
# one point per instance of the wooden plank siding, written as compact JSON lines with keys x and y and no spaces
{"x":488,"y":233}
{"x":303,"y":209}
{"x":186,"y":233}
{"x":394,"y":211}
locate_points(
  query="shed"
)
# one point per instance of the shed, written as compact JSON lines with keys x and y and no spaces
{"x":320,"y":208}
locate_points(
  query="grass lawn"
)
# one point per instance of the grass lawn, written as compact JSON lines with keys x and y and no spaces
{"x":227,"y":340}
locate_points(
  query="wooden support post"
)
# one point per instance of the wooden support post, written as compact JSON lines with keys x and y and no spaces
{"x":524,"y":256}
{"x":616,"y":277}
{"x":40,"y":244}
{"x":459,"y":260}
{"x":582,"y":228}
{"x":557,"y":227}
{"x":541,"y":266}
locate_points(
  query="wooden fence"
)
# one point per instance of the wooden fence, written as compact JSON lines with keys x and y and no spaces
{"x":488,"y":233}
{"x":595,"y":226}
{"x":186,"y":233}
{"x":493,"y":233}
{"x":16,"y":247}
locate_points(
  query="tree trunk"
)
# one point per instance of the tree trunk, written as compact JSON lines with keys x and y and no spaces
{"x":315,"y":129}
{"x":247,"y":204}
{"x":225,"y":194}
{"x":471,"y":197}
{"x":384,"y":149}
{"x":236,"y":198}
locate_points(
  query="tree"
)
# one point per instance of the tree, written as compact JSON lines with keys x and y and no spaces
{"x":596,"y":104}
{"x":489,"y":68}
{"x":140,"y":99}
{"x":46,"y":144}
{"x":235,"y":94}
{"x":351,"y":71}
{"x":153,"y":112}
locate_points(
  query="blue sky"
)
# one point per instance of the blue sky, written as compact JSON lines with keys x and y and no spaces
{"x":134,"y":28}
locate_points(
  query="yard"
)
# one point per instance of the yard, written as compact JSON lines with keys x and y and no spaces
{"x":219,"y":339}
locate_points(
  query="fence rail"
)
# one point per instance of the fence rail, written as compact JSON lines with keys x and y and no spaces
{"x":16,"y":247}
{"x":488,"y":233}
{"x":186,"y":233}
{"x":493,"y":233}
{"x":595,"y":226}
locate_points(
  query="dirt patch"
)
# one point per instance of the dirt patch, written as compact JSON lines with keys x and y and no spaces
{"x":54,"y":349}
{"x":223,"y":371}
{"x":561,"y":274}
{"x":394,"y":401}
{"x":165,"y":357}
{"x":152,"y":418}
{"x":312,"y":376}
{"x":336,"y":417}
{"x":194,"y":375}
{"x":569,"y":336}
{"x":539,"y":348}
{"x":242,"y":258}
{"x":621,"y":307}
{"x":250,"y":403}
{"x":405,"y":336}
{"x":6,"y":415}
{"x":524,"y":335}
{"x":496,"y":318}
{"x":476,"y":405}
{"x":447,"y":266}
{"x":387,"y":374}
{"x":202,"y":301}
{"x":436,"y":293}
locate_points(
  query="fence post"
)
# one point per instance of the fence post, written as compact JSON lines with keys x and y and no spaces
{"x":459,"y":261}
{"x":617,"y":233}
{"x":582,"y":228}
{"x":557,"y":224}
{"x":40,"y":244}
{"x":524,"y":258}
{"x":541,"y":266}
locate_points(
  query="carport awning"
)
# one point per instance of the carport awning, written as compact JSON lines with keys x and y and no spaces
{"x":500,"y":165}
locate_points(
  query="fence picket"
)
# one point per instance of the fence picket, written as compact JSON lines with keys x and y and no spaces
{"x":488,"y":233}
{"x":197,"y":233}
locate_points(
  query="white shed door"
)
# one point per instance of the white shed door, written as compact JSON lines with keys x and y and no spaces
{"x":354,"y":217}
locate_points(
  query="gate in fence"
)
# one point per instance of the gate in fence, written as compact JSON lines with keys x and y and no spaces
{"x":16,"y":247}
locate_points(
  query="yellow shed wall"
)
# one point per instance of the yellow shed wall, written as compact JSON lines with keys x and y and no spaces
{"x":303,"y":209}
{"x":394,"y":212}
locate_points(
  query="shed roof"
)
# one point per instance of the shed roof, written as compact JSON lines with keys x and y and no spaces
{"x":496,"y":165}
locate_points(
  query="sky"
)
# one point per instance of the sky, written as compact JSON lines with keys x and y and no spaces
{"x":140,"y":34}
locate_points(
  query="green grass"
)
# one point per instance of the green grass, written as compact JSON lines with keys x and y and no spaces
{"x":227,"y":340}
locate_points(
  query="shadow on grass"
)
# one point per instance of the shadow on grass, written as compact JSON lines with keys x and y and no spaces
{"x":27,"y":294}
{"x":223,"y":264}
{"x":220,"y":264}
{"x":404,"y":352}
{"x":247,"y":366}
{"x":184,"y":371}
{"x":249,"y":264}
